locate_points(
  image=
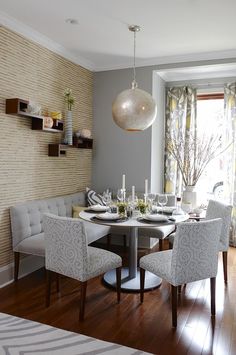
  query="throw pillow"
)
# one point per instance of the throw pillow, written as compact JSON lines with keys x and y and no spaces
{"x":76,"y":211}
{"x":94,"y":198}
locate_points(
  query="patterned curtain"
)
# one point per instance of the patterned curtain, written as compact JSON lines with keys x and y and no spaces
{"x":230,"y":122}
{"x":180,"y":117}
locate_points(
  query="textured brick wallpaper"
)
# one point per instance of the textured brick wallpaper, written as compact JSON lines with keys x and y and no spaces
{"x":31,"y":72}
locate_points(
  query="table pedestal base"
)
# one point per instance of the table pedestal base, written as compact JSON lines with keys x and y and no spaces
{"x":132,"y":284}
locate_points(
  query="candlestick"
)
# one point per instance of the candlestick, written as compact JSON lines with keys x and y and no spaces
{"x":123,"y":182}
{"x":133,"y":192}
{"x":146,"y":186}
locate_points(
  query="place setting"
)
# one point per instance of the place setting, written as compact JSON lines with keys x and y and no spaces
{"x":148,"y":208}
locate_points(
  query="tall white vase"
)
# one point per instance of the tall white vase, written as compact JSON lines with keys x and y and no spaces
{"x":190,"y":196}
{"x":69,"y":129}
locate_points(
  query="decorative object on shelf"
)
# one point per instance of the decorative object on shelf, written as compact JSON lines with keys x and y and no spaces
{"x":47,"y":122}
{"x":80,"y":142}
{"x":85,"y":133}
{"x":20,"y":107}
{"x":69,"y":100}
{"x":134,"y":109}
{"x":56,"y":115}
{"x":33,"y":108}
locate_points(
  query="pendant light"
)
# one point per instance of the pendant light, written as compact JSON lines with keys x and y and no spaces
{"x":134,"y":109}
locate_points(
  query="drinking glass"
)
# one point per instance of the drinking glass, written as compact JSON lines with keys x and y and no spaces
{"x":107,"y":197}
{"x":162,"y":200}
{"x":132,"y":203}
{"x":120,"y":195}
{"x":151,"y":198}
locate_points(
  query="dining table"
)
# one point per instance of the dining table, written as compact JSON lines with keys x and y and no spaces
{"x":130,"y":276}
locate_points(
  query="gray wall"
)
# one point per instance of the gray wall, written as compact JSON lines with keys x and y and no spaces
{"x":118,"y":152}
{"x":158,"y":136}
{"x":138,"y":155}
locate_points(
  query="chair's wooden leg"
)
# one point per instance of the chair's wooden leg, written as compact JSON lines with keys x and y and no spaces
{"x":118,"y":283}
{"x":48,"y":287}
{"x":179,"y":288}
{"x":16,"y":265}
{"x":58,"y":282}
{"x":174,"y":296}
{"x":142,"y":281}
{"x":224,"y":254}
{"x":160,"y":244}
{"x":213,"y":296}
{"x":125,"y":241}
{"x":82,"y":299}
{"x":108,"y":241}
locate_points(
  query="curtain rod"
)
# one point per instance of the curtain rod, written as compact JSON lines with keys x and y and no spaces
{"x":201,"y":85}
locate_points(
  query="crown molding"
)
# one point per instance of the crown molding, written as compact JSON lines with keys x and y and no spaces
{"x":228,"y":56}
{"x":35,"y":36}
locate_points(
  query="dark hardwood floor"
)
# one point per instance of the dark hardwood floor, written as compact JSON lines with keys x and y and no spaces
{"x":147,"y":326}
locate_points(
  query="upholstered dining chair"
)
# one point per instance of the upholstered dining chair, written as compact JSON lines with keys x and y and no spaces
{"x":216,"y":209}
{"x":162,"y":232}
{"x":67,"y":253}
{"x":194,"y":257}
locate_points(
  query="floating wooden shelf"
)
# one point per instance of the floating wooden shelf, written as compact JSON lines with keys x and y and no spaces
{"x":37,"y":124}
{"x":19,"y":107}
{"x":85,"y":143}
{"x":57,"y":150}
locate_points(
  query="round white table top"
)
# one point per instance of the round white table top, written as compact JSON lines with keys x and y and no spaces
{"x":133,"y":222}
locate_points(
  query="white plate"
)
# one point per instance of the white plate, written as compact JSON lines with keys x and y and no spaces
{"x":98,"y":208}
{"x":166,"y":209}
{"x":156,"y":217}
{"x":108,"y":216}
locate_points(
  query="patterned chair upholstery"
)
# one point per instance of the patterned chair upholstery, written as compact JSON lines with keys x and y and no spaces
{"x":160,"y":232}
{"x":194,"y":257}
{"x":67,"y":253}
{"x":217,"y":209}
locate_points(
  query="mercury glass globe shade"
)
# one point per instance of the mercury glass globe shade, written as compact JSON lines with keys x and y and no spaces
{"x":134,"y":110}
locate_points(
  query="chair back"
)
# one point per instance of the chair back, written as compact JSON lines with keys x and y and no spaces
{"x":217,"y":209}
{"x":195,"y":251}
{"x":65,"y":246}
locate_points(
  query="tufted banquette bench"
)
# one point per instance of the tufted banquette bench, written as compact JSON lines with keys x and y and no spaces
{"x":26,"y":224}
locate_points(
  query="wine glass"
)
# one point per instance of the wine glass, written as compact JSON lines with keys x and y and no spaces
{"x":151,"y":197}
{"x":107,"y":197}
{"x":120,"y":195}
{"x":162,"y":200}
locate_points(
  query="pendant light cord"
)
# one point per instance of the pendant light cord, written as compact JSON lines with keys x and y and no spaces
{"x":134,"y":82}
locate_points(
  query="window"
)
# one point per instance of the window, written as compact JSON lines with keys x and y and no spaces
{"x":210,"y":120}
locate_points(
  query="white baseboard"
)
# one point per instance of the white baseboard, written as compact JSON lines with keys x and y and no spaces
{"x":27,"y":265}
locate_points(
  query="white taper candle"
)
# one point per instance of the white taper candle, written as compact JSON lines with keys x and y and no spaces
{"x":146,"y":186}
{"x":123,"y":181}
{"x":133,"y":192}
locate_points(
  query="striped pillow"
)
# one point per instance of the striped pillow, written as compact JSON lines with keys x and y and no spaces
{"x":94,"y":198}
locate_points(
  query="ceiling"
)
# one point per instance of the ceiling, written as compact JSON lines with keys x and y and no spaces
{"x":171,"y":30}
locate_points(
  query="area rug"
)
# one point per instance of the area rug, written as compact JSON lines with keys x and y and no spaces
{"x":19,"y":336}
